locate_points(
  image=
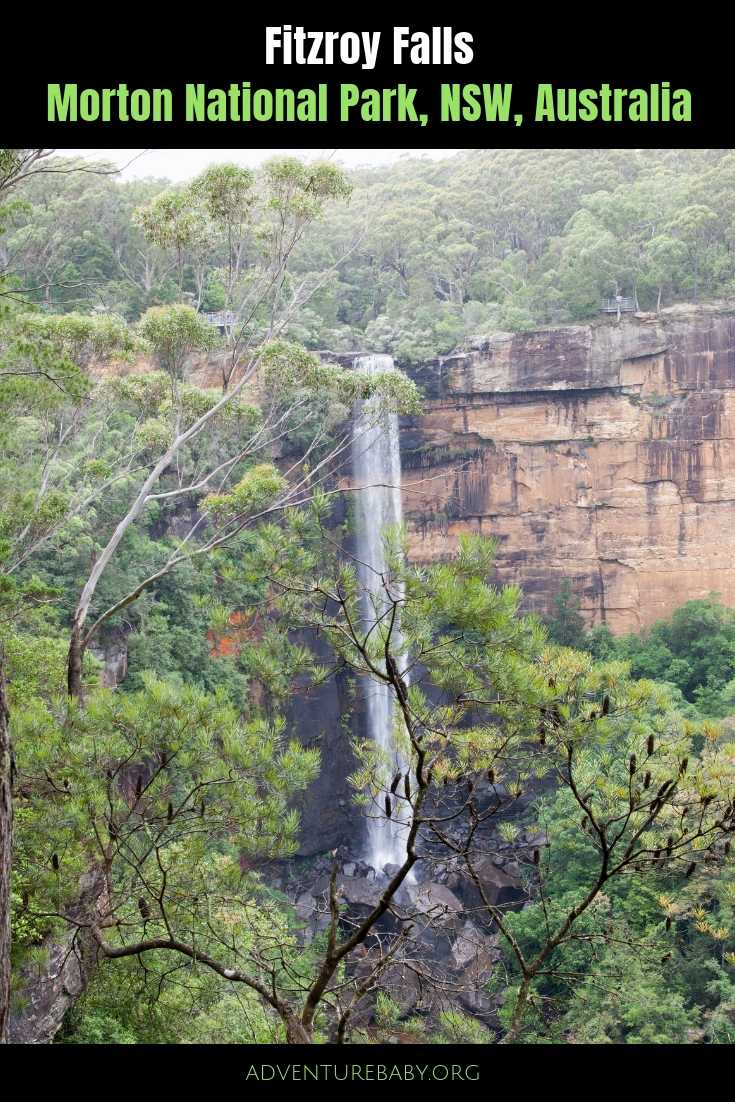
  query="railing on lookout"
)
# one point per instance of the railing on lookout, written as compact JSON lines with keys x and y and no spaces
{"x":615,"y":305}
{"x":221,"y":318}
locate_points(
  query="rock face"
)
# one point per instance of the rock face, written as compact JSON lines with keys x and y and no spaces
{"x":604,"y":453}
{"x":47,"y":991}
{"x":601,"y":452}
{"x":115,"y":664}
{"x":324,"y":717}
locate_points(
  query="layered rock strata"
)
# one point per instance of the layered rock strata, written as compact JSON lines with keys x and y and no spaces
{"x":600,"y":452}
{"x":604,"y":453}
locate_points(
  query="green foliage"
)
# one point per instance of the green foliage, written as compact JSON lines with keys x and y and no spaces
{"x":81,"y":337}
{"x":168,"y":784}
{"x":125,"y":1005}
{"x":165,"y":789}
{"x":60,"y":445}
{"x":630,"y":1002}
{"x":484,"y":241}
{"x":634,"y":968}
{"x":693,"y":649}
{"x":35,"y":665}
{"x":483,"y":700}
{"x":226,"y":191}
{"x":455,"y":1028}
{"x":126,"y":421}
{"x":459,"y":1029}
{"x":465,"y":636}
{"x":299,"y":191}
{"x":145,"y":392}
{"x":169,"y":221}
{"x":720,"y":1018}
{"x":255,"y":490}
{"x":175,"y":333}
{"x":172,"y":223}
{"x":509,"y":239}
{"x":566,"y":628}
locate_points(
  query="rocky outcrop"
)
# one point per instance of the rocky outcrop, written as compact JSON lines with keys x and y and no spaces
{"x":56,"y":974}
{"x":114,"y":664}
{"x":604,"y":453}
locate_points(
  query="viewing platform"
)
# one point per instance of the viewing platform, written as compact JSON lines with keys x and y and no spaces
{"x":617,"y":305}
{"x":220,"y":318}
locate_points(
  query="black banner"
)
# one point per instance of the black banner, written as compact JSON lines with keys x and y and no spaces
{"x":305,"y":83}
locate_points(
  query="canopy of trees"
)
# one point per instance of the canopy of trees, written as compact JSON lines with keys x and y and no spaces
{"x":487,"y":240}
{"x":692,"y":651}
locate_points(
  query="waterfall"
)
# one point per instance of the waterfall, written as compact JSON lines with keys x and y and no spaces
{"x":376,"y":465}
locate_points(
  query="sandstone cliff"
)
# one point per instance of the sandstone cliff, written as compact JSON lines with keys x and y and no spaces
{"x":601,"y":452}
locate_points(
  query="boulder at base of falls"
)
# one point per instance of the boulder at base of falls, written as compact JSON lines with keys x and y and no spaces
{"x":470,"y":943}
{"x":472,"y":982}
{"x":357,"y":891}
{"x":391,"y":870}
{"x":314,"y":914}
{"x":501,"y":890}
{"x":398,"y":980}
{"x":436,"y":902}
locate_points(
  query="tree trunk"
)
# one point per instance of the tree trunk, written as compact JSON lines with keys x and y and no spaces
{"x":6,"y":849}
{"x":77,"y":646}
{"x":295,"y":1032}
{"x":515,"y":1024}
{"x":696,"y":276}
{"x":75,"y":661}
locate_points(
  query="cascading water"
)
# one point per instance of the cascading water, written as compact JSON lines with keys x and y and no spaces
{"x":376,"y":468}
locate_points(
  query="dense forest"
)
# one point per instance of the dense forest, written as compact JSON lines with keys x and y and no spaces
{"x":566,"y":798}
{"x":423,"y":255}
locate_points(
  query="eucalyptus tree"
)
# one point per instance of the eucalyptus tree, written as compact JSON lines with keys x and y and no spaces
{"x":254,"y":222}
{"x":56,"y":457}
{"x":293,"y":196}
{"x":143,"y":264}
{"x":227,"y":195}
{"x":173,"y":224}
{"x":295,"y":392}
{"x":697,"y":227}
